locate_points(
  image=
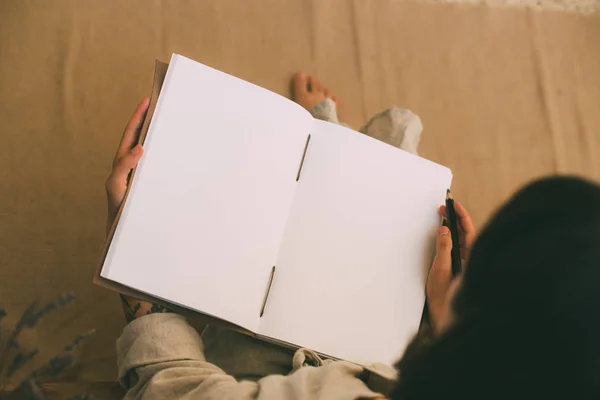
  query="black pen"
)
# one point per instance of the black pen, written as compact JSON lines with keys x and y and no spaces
{"x":453,"y":226}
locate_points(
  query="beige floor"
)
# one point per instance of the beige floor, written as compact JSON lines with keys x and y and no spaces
{"x":506,"y":95}
{"x":577,"y":6}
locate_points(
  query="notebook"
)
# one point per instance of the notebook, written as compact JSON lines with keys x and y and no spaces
{"x":304,"y":232}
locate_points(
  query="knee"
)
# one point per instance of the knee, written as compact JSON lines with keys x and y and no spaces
{"x":403,"y":117}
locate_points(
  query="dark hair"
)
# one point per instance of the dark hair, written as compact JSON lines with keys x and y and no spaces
{"x":527,"y":315}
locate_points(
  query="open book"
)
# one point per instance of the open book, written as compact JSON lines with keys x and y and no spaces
{"x":301,"y":231}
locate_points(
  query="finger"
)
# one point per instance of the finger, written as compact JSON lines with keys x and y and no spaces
{"x":131,"y":133}
{"x":442,"y":211}
{"x":124,"y":165}
{"x":440,"y":276}
{"x":443,"y":258}
{"x":466,"y":223}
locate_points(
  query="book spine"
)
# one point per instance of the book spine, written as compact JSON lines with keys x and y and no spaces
{"x":303,"y":156}
{"x":264,"y":304}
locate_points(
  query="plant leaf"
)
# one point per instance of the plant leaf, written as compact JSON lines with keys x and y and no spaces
{"x":62,"y":300}
{"x":19,"y":360}
{"x":26,"y":318}
{"x":78,"y":339}
{"x":55,"y":367}
{"x":2,"y":315}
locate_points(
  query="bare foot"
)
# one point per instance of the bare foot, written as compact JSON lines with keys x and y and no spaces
{"x":308,"y":91}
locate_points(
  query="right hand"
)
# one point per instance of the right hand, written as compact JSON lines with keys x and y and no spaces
{"x":440,"y":285}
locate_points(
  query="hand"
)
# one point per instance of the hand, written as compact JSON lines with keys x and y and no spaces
{"x":466,"y":230}
{"x":440,"y":285}
{"x":126,"y":158}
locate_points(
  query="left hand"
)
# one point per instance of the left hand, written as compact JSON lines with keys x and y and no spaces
{"x":126,"y":158}
{"x":465,"y":227}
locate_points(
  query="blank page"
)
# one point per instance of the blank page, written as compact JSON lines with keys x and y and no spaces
{"x":207,"y":209}
{"x":350,"y":276}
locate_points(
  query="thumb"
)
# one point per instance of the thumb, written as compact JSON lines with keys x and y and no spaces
{"x":443,"y":257}
{"x":440,"y":276}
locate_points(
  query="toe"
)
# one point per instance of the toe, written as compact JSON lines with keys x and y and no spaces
{"x":314,"y":84}
{"x":327,"y":92}
{"x":336,"y":100}
{"x":300,"y":83}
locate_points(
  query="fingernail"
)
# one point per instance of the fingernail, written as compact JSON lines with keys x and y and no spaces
{"x":444,"y":230}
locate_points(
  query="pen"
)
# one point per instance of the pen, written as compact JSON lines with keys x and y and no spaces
{"x":453,"y":226}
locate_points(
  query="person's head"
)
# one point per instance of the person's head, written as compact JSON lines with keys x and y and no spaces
{"x":526,"y":317}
